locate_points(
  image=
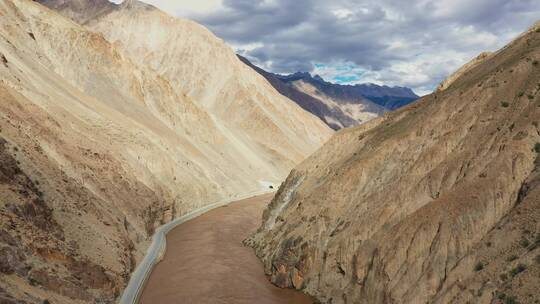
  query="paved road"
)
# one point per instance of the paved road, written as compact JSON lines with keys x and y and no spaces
{"x":205,"y":262}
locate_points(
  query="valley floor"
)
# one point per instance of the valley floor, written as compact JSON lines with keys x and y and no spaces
{"x":206,"y":262}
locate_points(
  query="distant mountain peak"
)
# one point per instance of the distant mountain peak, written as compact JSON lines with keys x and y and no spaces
{"x":339,"y":106}
{"x":294,"y":76}
{"x":363,"y":89}
{"x":319,"y":78}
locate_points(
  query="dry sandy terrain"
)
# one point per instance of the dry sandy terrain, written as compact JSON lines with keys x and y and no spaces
{"x":206,"y":263}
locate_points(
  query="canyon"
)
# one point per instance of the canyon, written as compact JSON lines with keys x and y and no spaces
{"x":118,"y":118}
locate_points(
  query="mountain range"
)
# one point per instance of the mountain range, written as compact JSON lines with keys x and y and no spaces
{"x":339,"y":106}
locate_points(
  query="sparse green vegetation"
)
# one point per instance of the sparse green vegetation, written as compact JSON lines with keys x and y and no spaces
{"x":505,"y":104}
{"x":479,"y":266}
{"x":521,"y":94}
{"x":503,"y":277}
{"x":537,"y":147}
{"x":506,"y":298}
{"x":536,"y":243}
{"x":537,"y":259}
{"x":511,"y":258}
{"x":531,"y":97}
{"x":510,"y":300}
{"x":524,"y":242}
{"x":517,"y":270}
{"x":535,"y":62}
{"x":533,"y":246}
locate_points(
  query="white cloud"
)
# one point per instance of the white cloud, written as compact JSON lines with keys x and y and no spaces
{"x":342,"y":13}
{"x":184,"y":8}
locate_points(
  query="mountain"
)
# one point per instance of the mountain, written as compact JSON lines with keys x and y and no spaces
{"x":330,"y":114}
{"x":207,"y":70}
{"x":464,"y":69}
{"x":100,"y":145}
{"x":339,"y":106}
{"x":437,"y":202}
{"x":390,"y":98}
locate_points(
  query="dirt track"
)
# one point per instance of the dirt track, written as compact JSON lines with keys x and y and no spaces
{"x":206,"y":262}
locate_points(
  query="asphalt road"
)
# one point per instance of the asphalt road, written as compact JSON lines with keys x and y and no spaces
{"x":205,"y":261}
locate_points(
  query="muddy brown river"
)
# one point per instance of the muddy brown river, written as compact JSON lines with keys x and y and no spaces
{"x":205,"y":262}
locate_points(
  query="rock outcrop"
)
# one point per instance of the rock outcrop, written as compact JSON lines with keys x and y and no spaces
{"x":99,"y":147}
{"x":434,"y":203}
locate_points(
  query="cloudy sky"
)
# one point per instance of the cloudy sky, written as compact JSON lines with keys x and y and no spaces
{"x":414,"y":43}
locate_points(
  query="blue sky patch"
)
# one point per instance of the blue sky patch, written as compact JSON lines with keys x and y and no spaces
{"x":345,"y":79}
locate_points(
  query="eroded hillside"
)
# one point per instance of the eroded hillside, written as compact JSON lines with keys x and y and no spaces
{"x":98,"y":149}
{"x":435,"y":203}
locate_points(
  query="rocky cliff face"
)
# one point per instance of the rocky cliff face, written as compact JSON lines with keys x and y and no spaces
{"x":99,"y":148}
{"x":339,"y":106}
{"x":434,"y":203}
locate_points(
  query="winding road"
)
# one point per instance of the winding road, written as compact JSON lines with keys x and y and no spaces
{"x":205,"y":262}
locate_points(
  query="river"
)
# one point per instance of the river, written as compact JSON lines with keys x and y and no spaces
{"x":205,"y":262}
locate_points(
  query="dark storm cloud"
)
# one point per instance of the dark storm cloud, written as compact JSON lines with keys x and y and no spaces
{"x":413,"y":43}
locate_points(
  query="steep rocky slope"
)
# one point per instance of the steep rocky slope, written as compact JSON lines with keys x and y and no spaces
{"x":434,"y":203}
{"x":464,"y":69}
{"x":339,"y":106}
{"x":240,"y":102}
{"x":98,"y":149}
